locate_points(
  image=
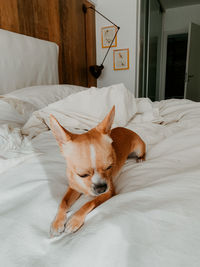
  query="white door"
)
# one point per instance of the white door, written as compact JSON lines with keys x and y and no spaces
{"x":192,"y":76}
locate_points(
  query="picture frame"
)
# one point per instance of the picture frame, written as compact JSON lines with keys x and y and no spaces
{"x":121,"y":59}
{"x":107,"y":35}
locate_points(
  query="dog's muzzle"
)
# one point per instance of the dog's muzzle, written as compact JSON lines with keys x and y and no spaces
{"x":99,"y":188}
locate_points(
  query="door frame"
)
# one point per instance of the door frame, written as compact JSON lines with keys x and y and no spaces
{"x":140,"y":85}
{"x":187,"y":59}
{"x":137,"y":54}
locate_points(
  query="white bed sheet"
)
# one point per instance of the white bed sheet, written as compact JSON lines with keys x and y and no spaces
{"x":152,"y":221}
{"x":9,"y":115}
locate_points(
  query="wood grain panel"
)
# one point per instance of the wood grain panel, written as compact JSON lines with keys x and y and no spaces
{"x":54,"y":32}
{"x":9,"y":15}
{"x":41,"y":19}
{"x":60,"y":21}
{"x":90,"y":32}
{"x":26,"y":17}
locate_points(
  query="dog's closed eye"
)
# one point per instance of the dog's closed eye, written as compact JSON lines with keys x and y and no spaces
{"x":108,"y":168}
{"x":83,"y":175}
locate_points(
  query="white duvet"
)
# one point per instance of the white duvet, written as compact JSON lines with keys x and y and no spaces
{"x":14,"y":148}
{"x":153,"y":221}
{"x":15,"y":109}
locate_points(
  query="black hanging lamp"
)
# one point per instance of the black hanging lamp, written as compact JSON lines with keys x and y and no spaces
{"x":96,"y":70}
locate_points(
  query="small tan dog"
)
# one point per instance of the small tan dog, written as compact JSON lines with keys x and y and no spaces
{"x":93,"y":159}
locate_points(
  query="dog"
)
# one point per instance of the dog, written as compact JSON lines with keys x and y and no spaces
{"x":93,"y":159}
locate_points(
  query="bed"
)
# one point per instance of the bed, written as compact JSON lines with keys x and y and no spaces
{"x":154,"y":218}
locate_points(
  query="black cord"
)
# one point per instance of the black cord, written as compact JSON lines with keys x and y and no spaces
{"x":103,"y":16}
{"x":91,"y":7}
{"x":110,"y":45}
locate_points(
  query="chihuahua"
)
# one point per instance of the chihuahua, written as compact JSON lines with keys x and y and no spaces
{"x":93,"y":159}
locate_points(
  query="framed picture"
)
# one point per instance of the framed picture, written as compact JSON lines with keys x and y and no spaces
{"x":121,"y":59}
{"x":107,"y":35}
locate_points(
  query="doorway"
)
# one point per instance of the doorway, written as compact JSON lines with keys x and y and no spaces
{"x":175,"y":66}
{"x":169,"y":58}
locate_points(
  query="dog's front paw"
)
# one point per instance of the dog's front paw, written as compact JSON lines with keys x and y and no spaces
{"x":141,"y":159}
{"x":57,"y":227}
{"x":74,"y":223}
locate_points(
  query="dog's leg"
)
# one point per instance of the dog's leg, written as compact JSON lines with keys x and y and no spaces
{"x":127,"y":144}
{"x":58,"y":225}
{"x":138,"y":151}
{"x":77,"y":220}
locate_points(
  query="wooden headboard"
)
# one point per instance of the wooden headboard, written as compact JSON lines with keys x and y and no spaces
{"x":62,"y":22}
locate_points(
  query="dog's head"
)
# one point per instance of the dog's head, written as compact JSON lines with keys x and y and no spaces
{"x":90,"y":156}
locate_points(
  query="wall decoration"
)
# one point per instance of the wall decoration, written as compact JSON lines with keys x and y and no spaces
{"x":121,"y":59}
{"x":107,"y":35}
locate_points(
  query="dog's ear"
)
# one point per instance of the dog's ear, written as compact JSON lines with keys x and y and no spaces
{"x":104,"y":127}
{"x":62,"y":135}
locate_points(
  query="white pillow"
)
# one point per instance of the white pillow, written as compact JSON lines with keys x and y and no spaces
{"x":43,"y":95}
{"x":23,"y":102}
{"x":85,"y":109}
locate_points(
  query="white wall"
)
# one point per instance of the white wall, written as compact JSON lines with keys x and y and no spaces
{"x":178,"y":19}
{"x":123,"y":13}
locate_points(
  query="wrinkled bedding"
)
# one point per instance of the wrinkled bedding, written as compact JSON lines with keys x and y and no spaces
{"x":152,"y":221}
{"x":16,"y":108}
{"x":14,"y":148}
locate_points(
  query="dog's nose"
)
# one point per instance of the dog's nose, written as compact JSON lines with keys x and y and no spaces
{"x":100,"y":188}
